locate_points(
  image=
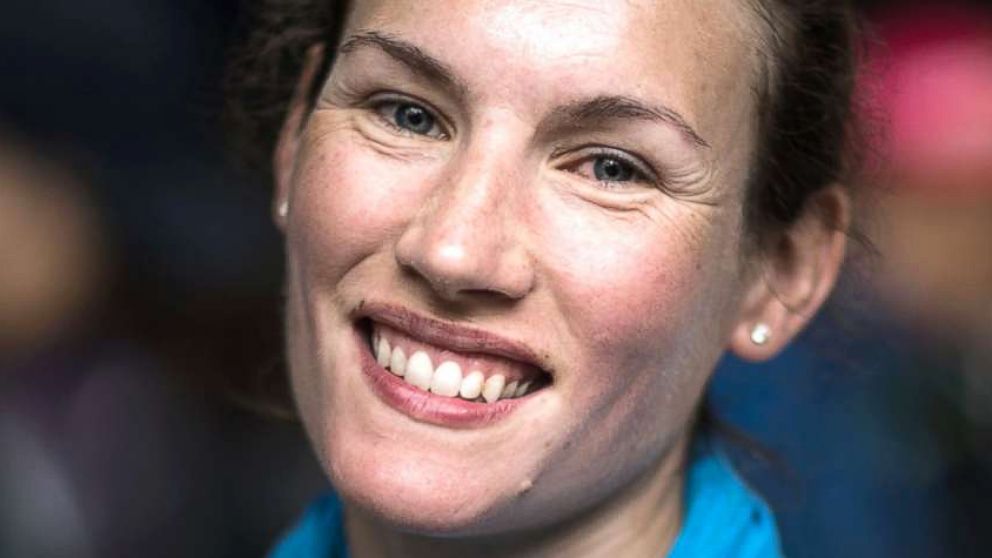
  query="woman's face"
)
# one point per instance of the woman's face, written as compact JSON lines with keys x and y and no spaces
{"x":546,"y":191}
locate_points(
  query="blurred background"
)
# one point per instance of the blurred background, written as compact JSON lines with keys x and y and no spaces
{"x":140,"y":294}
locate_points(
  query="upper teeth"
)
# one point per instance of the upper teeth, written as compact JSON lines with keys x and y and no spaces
{"x":447,"y":379}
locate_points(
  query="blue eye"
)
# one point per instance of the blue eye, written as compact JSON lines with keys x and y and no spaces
{"x":612,"y":169}
{"x":414,"y":118}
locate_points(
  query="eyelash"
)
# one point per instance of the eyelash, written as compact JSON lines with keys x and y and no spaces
{"x":378,"y":104}
{"x":641,"y":172}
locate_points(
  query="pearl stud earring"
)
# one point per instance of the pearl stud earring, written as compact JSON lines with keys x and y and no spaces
{"x":283,"y":209}
{"x":761,"y":334}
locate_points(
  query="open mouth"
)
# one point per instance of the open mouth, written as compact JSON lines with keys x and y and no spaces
{"x":445,"y":370}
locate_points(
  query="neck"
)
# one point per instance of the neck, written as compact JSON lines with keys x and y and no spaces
{"x":642,"y":520}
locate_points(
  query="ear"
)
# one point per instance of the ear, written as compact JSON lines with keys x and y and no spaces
{"x":797,"y":272}
{"x":288,"y":142}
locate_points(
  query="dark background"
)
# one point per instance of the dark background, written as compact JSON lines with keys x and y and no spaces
{"x":132,"y":421}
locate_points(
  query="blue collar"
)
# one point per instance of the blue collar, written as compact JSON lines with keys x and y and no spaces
{"x":724,"y":519}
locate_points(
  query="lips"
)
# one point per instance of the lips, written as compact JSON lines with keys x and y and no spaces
{"x":442,"y":372}
{"x":473,"y":377}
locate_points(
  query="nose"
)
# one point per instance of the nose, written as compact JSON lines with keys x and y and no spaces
{"x":466,"y":239}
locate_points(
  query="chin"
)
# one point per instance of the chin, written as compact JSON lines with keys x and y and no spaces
{"x":415,"y":460}
{"x":415,"y":492}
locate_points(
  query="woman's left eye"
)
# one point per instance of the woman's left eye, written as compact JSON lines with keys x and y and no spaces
{"x":410,"y":117}
{"x":613,"y":170}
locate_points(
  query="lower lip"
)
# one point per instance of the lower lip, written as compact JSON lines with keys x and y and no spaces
{"x":426,"y":407}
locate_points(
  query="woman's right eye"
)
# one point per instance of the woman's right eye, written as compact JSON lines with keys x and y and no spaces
{"x":410,"y":118}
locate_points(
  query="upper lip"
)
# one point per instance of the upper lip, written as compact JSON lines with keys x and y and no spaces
{"x":448,"y":335}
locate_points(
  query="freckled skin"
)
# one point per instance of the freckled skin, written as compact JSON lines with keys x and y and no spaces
{"x":631,"y":291}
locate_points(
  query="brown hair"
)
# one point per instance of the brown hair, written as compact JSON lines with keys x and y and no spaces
{"x":805,"y":133}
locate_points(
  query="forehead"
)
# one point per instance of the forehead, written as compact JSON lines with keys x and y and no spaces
{"x":698,"y":57}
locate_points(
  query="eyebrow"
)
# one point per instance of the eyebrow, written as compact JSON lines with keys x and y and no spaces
{"x":619,"y":107}
{"x":603,"y":107}
{"x":409,"y":55}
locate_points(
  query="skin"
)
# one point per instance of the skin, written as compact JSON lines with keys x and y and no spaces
{"x":629,"y":290}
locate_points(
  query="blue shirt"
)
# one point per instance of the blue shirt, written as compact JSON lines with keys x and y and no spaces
{"x":724,"y":519}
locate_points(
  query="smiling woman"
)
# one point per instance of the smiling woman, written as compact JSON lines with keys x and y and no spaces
{"x":519,"y":236}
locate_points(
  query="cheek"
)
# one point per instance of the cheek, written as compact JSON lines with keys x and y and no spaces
{"x":649,"y":297}
{"x":331,"y":231}
{"x":328,"y":230}
{"x":644,"y":299}
{"x":637,"y":279}
{"x":348,"y":200}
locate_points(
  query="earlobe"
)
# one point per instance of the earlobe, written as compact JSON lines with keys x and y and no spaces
{"x":797,"y":273}
{"x":288,"y":143}
{"x":760,"y":333}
